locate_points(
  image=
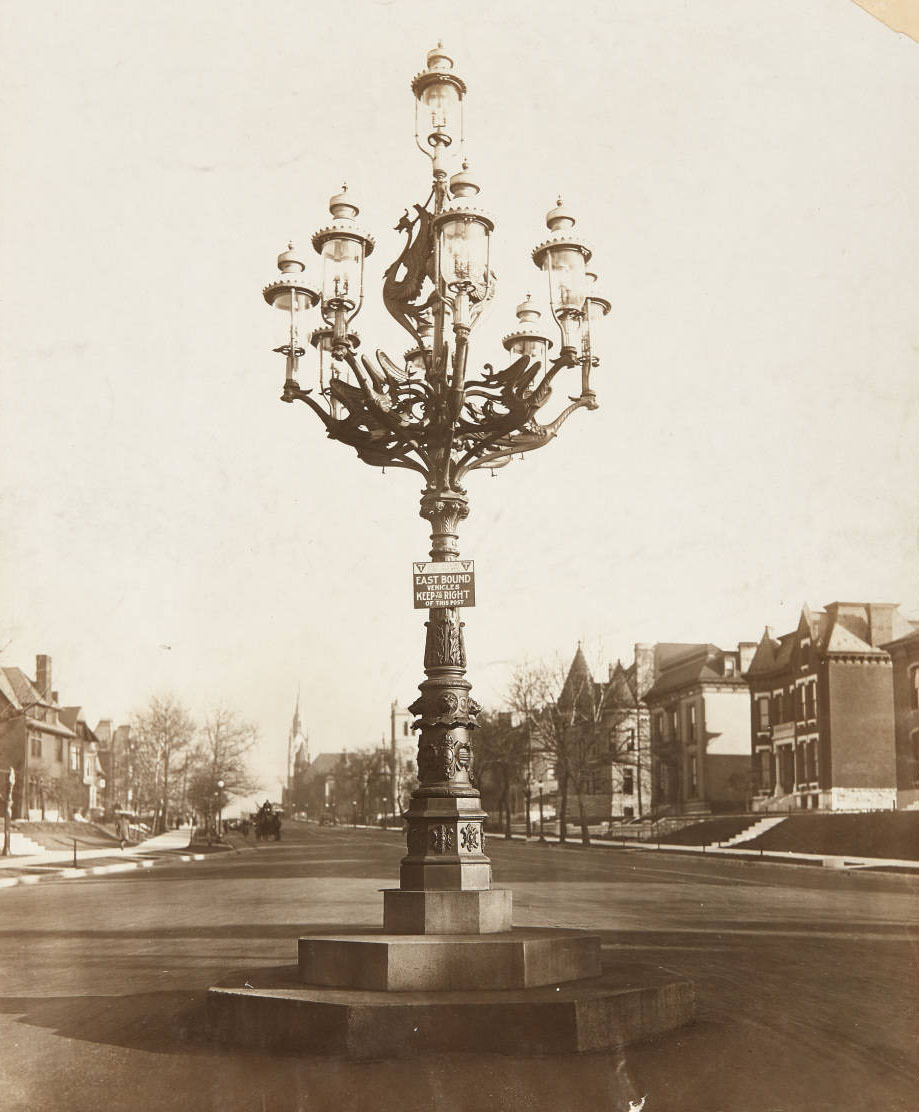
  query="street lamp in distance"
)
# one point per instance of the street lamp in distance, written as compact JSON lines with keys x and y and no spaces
{"x":219,"y":794}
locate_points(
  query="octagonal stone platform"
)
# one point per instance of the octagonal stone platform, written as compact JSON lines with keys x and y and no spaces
{"x":521,"y":958}
{"x":622,"y":1005}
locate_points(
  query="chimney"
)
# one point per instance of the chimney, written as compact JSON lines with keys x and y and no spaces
{"x":644,"y":668}
{"x":881,"y":619}
{"x":747,"y":650}
{"x":43,"y":676}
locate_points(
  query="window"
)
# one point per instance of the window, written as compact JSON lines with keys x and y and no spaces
{"x":592,"y":783}
{"x":630,"y":740}
{"x":405,"y":729}
{"x":674,"y":724}
{"x":60,"y":750}
{"x":693,"y":776}
{"x":657,"y":727}
{"x":692,"y":721}
{"x":763,"y":702}
{"x":729,"y":666}
{"x":812,"y":761}
{"x":628,"y":812}
{"x":810,"y":709}
{"x":790,"y":705}
{"x":914,"y":687}
{"x":36,"y":746}
{"x":74,"y":758}
{"x":628,"y":782}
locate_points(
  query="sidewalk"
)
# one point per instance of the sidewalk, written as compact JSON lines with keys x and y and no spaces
{"x":164,"y":848}
{"x":829,"y":861}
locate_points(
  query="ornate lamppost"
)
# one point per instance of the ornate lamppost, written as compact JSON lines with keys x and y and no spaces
{"x":529,"y":988}
{"x":436,"y":415}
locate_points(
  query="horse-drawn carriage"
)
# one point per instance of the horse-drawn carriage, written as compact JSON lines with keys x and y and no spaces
{"x":267,"y":823}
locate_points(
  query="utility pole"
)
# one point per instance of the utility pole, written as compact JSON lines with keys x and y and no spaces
{"x":8,"y":810}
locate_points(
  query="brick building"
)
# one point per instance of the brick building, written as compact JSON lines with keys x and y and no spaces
{"x":700,"y":729}
{"x":904,"y":655}
{"x":822,"y":710}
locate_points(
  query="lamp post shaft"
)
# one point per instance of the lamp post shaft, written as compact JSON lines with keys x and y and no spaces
{"x":445,"y":819}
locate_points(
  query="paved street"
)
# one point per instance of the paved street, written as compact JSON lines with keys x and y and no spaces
{"x":806,"y":978}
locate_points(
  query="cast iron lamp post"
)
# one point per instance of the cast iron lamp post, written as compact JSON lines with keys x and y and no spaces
{"x":435,"y":414}
{"x":530,"y":989}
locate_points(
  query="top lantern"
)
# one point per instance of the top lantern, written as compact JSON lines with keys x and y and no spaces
{"x":438,"y":106}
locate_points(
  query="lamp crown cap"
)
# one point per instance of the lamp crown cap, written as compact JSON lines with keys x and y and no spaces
{"x":289,"y":262}
{"x":527,"y":311}
{"x":559,"y":218}
{"x":341,"y":206}
{"x":438,"y":59}
{"x":463,"y":184}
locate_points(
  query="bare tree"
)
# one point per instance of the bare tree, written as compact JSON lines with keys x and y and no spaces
{"x":500,"y":756}
{"x":566,"y":714}
{"x":161,"y":731}
{"x":220,"y":756}
{"x":364,"y":778}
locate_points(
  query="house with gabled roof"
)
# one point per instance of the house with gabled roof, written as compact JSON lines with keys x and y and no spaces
{"x":85,"y":772}
{"x":615,"y":769}
{"x":700,"y":729}
{"x":822,"y":710}
{"x":34,"y":742}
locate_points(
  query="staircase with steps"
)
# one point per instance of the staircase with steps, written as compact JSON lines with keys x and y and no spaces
{"x":754,"y":831}
{"x":23,"y":846}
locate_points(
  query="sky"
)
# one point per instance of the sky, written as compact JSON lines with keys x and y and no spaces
{"x":746,"y":173}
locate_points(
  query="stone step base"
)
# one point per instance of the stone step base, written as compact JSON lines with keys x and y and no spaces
{"x":436,"y":911}
{"x":522,"y":958}
{"x":624,"y":1004}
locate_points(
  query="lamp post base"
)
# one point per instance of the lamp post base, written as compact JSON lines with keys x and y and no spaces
{"x":619,"y":1005}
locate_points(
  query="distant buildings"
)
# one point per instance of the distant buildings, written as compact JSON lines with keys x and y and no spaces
{"x":824,"y":717}
{"x":904,"y":655}
{"x":609,"y":747}
{"x":361,"y":785}
{"x":822,"y":711}
{"x":55,"y":755}
{"x":700,"y":729}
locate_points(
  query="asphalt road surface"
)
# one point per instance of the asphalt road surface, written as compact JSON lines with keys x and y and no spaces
{"x":806,"y":981}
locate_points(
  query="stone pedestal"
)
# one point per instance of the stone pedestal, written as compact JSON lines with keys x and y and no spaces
{"x":617,"y":1007}
{"x":522,"y":958}
{"x":443,"y":912}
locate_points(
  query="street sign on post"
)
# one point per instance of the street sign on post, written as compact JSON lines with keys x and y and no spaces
{"x":442,"y":585}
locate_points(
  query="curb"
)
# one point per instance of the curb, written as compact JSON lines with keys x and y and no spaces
{"x":847,"y":862}
{"x":69,"y":873}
